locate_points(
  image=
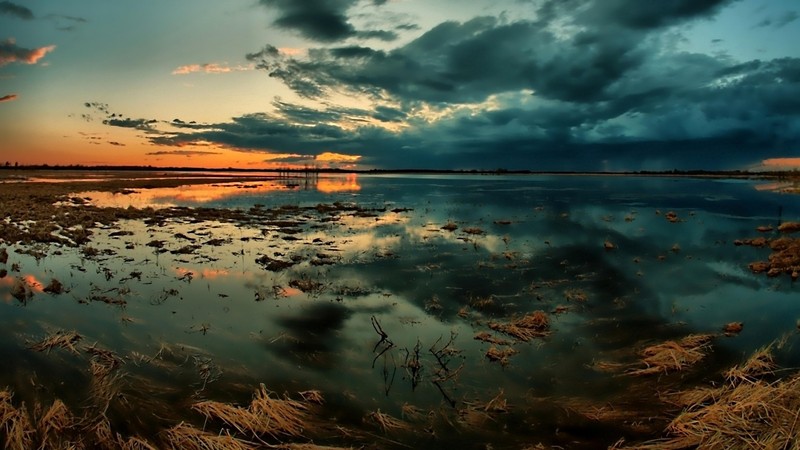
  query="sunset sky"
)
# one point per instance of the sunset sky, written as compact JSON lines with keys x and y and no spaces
{"x":449,"y":84}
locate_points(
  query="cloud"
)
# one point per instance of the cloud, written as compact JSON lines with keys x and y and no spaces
{"x":780,"y":21}
{"x":209,"y":68}
{"x":322,"y":20}
{"x":118,"y":144}
{"x":582,"y":85}
{"x":181,"y":153}
{"x":9,"y":98}
{"x":139,"y":124}
{"x":65,"y":22}
{"x":10,"y":52}
{"x":637,"y":14}
{"x":12,"y":9}
{"x":466,"y":62}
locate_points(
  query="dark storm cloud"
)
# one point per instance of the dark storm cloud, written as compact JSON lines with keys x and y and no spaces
{"x":12,"y":9}
{"x":466,"y":62}
{"x":612,"y":92}
{"x":322,"y":20}
{"x":643,"y":15}
{"x":139,"y":124}
{"x":683,"y":111}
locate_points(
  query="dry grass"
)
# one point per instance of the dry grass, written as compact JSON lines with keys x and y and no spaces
{"x":15,"y":424}
{"x":134,"y":443}
{"x":286,"y":416}
{"x":55,"y":421}
{"x":747,"y":412}
{"x":487,"y":337}
{"x":760,"y":364}
{"x":411,"y":412}
{"x":387,"y":422}
{"x":502,"y":356}
{"x":673,"y":355}
{"x":186,"y":437}
{"x":241,"y":419}
{"x":312,"y":396}
{"x":265,"y":415}
{"x":530,"y":326}
{"x":60,"y":339}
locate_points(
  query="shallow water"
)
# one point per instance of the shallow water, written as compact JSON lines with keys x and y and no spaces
{"x":218,"y":323}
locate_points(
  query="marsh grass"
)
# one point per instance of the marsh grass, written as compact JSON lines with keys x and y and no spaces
{"x":500,"y":355}
{"x":387,"y":423}
{"x":530,"y":326}
{"x":673,"y":356}
{"x":264,"y":416}
{"x":187,"y":437}
{"x":746,"y":412}
{"x":60,"y":339}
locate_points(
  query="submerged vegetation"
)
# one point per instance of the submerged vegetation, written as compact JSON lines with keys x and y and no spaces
{"x":370,"y":325}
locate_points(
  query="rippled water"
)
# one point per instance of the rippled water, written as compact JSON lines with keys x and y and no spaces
{"x":210,"y":322}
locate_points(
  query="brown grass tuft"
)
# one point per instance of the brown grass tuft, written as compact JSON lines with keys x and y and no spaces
{"x":387,"y":422}
{"x":758,"y":365}
{"x":134,"y":443}
{"x":186,"y":437}
{"x":61,"y":339}
{"x":747,"y":412}
{"x":502,"y":356}
{"x":15,"y":424}
{"x":487,"y":337}
{"x":673,"y":355}
{"x":533,"y":325}
{"x":264,"y":416}
{"x":312,"y":396}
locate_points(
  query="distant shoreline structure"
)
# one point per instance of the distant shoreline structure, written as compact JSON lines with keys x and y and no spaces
{"x":742,"y":174}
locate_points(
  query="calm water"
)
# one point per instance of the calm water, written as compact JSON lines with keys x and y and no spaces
{"x":218,"y":323}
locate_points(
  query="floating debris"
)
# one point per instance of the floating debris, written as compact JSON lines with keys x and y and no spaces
{"x":733,"y":328}
{"x":487,"y":337}
{"x":274,"y":265}
{"x":672,"y":217}
{"x":55,"y":287}
{"x":21,"y":291}
{"x":502,"y":356}
{"x":789,"y":227}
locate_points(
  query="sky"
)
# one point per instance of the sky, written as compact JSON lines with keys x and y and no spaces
{"x":575,"y":85}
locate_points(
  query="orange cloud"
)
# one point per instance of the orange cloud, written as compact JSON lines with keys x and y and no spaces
{"x":209,"y":68}
{"x":337,"y":157}
{"x":291,"y":51}
{"x":10,"y":52}
{"x":8,"y":98}
{"x":778,"y":163}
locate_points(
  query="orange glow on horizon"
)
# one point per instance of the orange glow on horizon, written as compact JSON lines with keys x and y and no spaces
{"x":782,"y":163}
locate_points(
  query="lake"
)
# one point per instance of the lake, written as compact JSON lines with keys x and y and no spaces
{"x":393,"y":294}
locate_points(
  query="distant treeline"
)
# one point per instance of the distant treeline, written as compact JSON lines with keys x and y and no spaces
{"x":500,"y":171}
